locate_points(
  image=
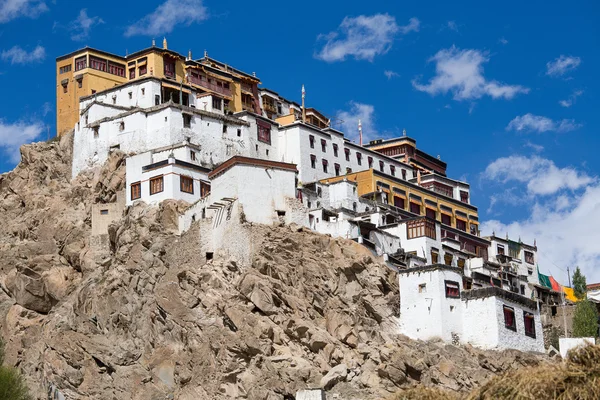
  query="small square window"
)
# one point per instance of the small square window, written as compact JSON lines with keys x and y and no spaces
{"x":187,"y":120}
{"x":103,"y":212}
{"x":423,"y":288}
{"x":239,"y":133}
{"x":130,"y":95}
{"x":452,"y":289}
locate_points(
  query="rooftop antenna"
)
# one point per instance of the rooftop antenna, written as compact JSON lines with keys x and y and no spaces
{"x":189,"y":54}
{"x":303,"y":109}
{"x":403,"y":132}
{"x":360,"y":132}
{"x":153,"y":42}
{"x":165,"y":43}
{"x":205,"y":53}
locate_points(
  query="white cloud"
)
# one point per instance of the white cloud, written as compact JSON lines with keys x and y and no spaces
{"x":461,"y":72}
{"x":563,"y":206}
{"x":82,"y":25}
{"x":13,"y":9}
{"x":562,"y":65}
{"x":452,"y":26}
{"x":541,"y":175}
{"x":503,"y":40}
{"x":12,"y":136}
{"x":535,"y":147}
{"x":363,"y":37}
{"x":18,"y":55}
{"x":571,"y":100}
{"x":391,"y":74}
{"x":538,"y":123}
{"x":167,"y":16}
{"x":349,"y":121}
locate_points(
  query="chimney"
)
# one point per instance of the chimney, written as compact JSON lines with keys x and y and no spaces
{"x":189,"y":54}
{"x":165,"y":43}
{"x":360,"y":132}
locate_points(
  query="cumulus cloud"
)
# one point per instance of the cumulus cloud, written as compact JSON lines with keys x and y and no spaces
{"x":82,"y":25}
{"x":563,"y":206}
{"x":13,"y":135}
{"x":167,"y":16}
{"x":363,"y":37}
{"x":461,"y":72}
{"x":538,"y":123}
{"x":13,"y":9}
{"x":390,"y":74}
{"x":17,"y":55}
{"x":571,"y":100}
{"x":349,"y":121}
{"x":562,"y":65}
{"x":541,"y":175}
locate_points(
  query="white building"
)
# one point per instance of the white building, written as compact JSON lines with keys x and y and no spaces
{"x":434,"y":304}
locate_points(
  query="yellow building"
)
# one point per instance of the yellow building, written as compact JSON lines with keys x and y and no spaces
{"x":415,"y":199}
{"x":89,"y":71}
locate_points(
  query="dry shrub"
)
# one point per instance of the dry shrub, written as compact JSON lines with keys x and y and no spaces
{"x":423,"y":393}
{"x":578,"y":378}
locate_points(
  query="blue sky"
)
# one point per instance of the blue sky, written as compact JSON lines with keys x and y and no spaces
{"x":505,"y":94}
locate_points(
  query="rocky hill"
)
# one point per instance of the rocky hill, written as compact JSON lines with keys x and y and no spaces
{"x":147,"y":317}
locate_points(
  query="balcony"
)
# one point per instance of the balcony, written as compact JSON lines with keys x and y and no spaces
{"x":247,"y":88}
{"x":226,"y":91}
{"x":420,"y":227}
{"x":270,"y":107}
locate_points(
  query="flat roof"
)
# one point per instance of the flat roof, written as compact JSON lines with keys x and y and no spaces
{"x":255,"y":162}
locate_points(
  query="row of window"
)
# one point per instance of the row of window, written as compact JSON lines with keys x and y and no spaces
{"x":511,"y":323}
{"x":186,"y":185}
{"x":359,"y":157}
{"x":514,"y":253}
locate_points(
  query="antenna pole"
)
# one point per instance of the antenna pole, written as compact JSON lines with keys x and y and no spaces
{"x":569,"y":276}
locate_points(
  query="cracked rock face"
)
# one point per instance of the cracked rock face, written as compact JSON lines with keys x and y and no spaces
{"x":146,"y":317}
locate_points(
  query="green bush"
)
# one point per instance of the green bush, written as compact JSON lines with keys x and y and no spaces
{"x":12,"y":384}
{"x":585,"y":319}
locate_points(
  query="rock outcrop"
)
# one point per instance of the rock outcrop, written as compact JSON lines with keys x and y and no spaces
{"x":149,"y":318}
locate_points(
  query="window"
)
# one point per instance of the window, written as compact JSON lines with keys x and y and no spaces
{"x":500,"y":249}
{"x":93,"y":91}
{"x":121,"y":126}
{"x":381,"y":166}
{"x":204,"y":189}
{"x":370,"y":160}
{"x":224,"y":128}
{"x":415,"y":208}
{"x":96,"y":130}
{"x":347,"y":151}
{"x":143,"y":91}
{"x":80,"y":83}
{"x":132,"y":73}
{"x":239,"y":133}
{"x":65,"y":69}
{"x":446,"y":219}
{"x":156,"y":185}
{"x":473,"y":229}
{"x":435,"y":257}
{"x":422,"y":288}
{"x":430,"y":213}
{"x":529,"y":321}
{"x":136,"y":190}
{"x":279,"y":110}
{"x":187,"y":120}
{"x":130,"y":94}
{"x":399,"y":202}
{"x":325,"y":165}
{"x":452,"y":289}
{"x":348,"y":170}
{"x":404,"y":174}
{"x":464,"y":196}
{"x":529,"y":257}
{"x":337,"y":169}
{"x":186,"y":184}
{"x":98,"y":64}
{"x":335,"y":150}
{"x":522,"y":287}
{"x":64,"y":88}
{"x":103,"y":212}
{"x":216,"y":103}
{"x":509,"y":318}
{"x":264,"y":131}
{"x":313,"y":161}
{"x":192,"y":155}
{"x":462,"y":225}
{"x":80,"y":63}
{"x":170,"y":69}
{"x":323,"y":145}
{"x":359,"y":158}
{"x":311,"y":139}
{"x":142,"y":70}
{"x":116,"y":69}
{"x":319,"y":192}
{"x":448,"y":258}
{"x":393,"y":170}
